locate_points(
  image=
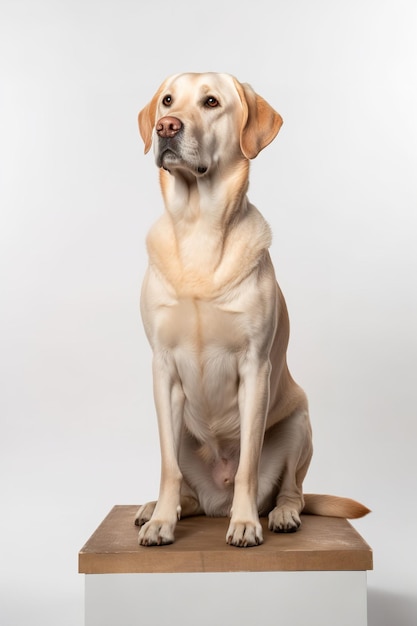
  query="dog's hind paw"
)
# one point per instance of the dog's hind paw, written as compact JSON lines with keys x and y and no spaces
{"x":284,"y":519}
{"x":144,"y":513}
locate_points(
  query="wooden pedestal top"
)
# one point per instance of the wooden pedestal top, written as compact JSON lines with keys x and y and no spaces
{"x":322,"y":543}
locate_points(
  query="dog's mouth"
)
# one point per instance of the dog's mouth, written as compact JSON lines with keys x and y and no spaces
{"x":169,"y":159}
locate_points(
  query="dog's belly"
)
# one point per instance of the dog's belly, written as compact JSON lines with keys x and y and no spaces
{"x":210,"y":386}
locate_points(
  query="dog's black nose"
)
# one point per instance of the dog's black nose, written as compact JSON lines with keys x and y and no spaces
{"x":168,"y":126}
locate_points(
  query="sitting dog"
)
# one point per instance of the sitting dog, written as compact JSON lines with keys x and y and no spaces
{"x":234,"y":427}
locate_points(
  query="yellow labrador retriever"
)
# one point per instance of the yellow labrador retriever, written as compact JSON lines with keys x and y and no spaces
{"x":234,"y":428}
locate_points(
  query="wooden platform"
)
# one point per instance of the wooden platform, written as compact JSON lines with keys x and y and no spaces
{"x":322,"y":543}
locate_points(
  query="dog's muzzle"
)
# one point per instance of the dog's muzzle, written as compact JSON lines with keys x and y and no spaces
{"x":167,"y":129}
{"x":170,"y":130}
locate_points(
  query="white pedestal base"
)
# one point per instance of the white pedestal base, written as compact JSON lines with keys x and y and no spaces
{"x":304,"y":598}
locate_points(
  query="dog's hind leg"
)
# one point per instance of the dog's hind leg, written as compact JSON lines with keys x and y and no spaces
{"x":284,"y":463}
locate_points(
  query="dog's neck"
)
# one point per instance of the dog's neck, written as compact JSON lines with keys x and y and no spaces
{"x":209,"y":232}
{"x":212,"y":199}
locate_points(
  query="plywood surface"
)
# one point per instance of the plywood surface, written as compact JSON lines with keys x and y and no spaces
{"x":322,"y":543}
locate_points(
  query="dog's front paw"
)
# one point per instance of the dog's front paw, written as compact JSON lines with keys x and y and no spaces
{"x":244,"y":534}
{"x":284,"y":519}
{"x":144,"y":513}
{"x":156,"y":533}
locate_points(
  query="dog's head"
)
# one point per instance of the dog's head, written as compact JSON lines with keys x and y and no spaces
{"x":198,"y":122}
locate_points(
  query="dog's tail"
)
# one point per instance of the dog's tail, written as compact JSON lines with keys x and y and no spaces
{"x":333,"y":506}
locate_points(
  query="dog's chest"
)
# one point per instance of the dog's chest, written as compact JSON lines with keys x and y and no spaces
{"x":200,"y":329}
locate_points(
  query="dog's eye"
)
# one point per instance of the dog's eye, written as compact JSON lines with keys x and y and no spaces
{"x":212,"y":102}
{"x":167,"y":101}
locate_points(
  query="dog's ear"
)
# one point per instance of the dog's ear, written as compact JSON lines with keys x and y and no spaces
{"x":260,"y":123}
{"x":146,"y":119}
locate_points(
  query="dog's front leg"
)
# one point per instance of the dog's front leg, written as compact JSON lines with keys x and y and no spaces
{"x":245,"y":529}
{"x":169,"y":403}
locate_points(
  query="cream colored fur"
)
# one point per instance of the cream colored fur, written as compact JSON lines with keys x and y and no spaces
{"x":234,"y":428}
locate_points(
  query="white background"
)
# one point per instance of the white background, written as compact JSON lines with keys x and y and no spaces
{"x":338,"y":187}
